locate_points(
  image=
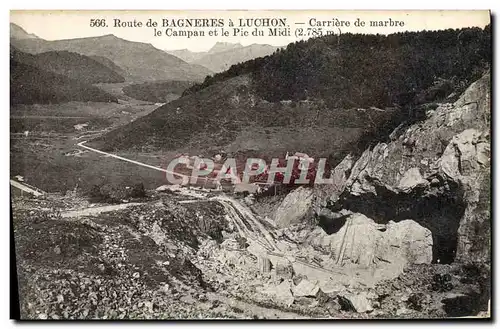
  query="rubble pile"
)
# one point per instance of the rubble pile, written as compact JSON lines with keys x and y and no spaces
{"x":132,"y":263}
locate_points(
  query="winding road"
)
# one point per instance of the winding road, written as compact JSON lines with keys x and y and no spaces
{"x":81,"y":144}
{"x":26,"y":188}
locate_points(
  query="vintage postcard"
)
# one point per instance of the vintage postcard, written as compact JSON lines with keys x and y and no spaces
{"x":250,"y":164}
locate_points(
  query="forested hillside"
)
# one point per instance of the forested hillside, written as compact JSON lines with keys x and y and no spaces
{"x":356,"y":70}
{"x":326,"y":97}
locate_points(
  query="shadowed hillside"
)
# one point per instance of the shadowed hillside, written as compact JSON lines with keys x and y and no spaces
{"x":355,"y":70}
{"x":72,"y":65}
{"x":229,"y":116}
{"x":18,"y":32}
{"x":109,"y":63}
{"x":32,"y":85}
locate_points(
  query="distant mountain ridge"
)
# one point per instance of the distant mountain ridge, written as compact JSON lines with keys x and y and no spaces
{"x":19,"y":33}
{"x":187,"y":55}
{"x":224,"y":54}
{"x":141,"y":61}
{"x":223,"y":60}
{"x":224,"y":46}
{"x":192,"y":56}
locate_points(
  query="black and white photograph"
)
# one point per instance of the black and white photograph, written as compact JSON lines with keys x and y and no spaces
{"x":250,"y":164}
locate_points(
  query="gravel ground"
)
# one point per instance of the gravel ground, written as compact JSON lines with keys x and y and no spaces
{"x":165,"y":260}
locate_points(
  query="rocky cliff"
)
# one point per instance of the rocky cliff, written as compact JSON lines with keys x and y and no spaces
{"x":434,"y":171}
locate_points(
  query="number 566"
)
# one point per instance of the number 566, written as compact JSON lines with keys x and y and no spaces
{"x":98,"y":23}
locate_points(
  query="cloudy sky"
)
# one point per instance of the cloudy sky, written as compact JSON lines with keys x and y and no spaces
{"x":54,"y":25}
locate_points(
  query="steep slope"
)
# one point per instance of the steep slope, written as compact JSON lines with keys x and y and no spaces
{"x":415,"y":206}
{"x":435,"y":171}
{"x":18,"y":32}
{"x":31,"y":85}
{"x":139,"y":60}
{"x":315,"y":97}
{"x":72,"y":65}
{"x":222,"y":60}
{"x":228,"y":115}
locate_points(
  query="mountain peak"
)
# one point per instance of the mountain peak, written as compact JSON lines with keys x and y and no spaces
{"x":223,"y":46}
{"x":18,"y":32}
{"x":137,"y":59}
{"x":108,"y":36}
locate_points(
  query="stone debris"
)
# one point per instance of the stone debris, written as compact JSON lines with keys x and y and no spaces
{"x":356,"y":302}
{"x":264,"y":265}
{"x":188,"y":299}
{"x":283,"y":292}
{"x":363,"y":242}
{"x":306,"y":288}
{"x":284,"y":270}
{"x":411,"y":178}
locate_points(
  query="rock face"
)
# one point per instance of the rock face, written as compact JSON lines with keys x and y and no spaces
{"x":432,"y":177}
{"x":363,"y":242}
{"x":467,"y":159}
{"x":282,"y":292}
{"x":411,"y":178}
{"x":306,"y":288}
{"x":294,"y":207}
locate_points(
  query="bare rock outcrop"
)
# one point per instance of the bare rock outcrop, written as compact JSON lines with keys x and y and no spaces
{"x":295,"y":207}
{"x":363,"y":242}
{"x":435,"y":172}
